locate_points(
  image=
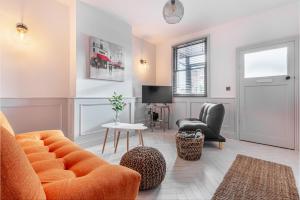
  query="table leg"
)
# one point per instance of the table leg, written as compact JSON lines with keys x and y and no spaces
{"x":141,"y":135}
{"x":105,"y":138}
{"x":140,"y":141}
{"x":118,"y":136}
{"x":164,"y":121}
{"x":168,"y":117}
{"x":115,"y":132}
{"x":127,"y":140}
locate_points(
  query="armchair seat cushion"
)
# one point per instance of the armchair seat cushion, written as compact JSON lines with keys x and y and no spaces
{"x":192,"y":125}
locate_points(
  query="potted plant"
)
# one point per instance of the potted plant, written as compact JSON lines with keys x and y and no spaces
{"x":118,"y":105}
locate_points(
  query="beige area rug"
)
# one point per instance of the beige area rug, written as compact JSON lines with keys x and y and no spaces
{"x":250,"y":179}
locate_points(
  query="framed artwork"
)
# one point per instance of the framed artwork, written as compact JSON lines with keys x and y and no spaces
{"x":106,"y":61}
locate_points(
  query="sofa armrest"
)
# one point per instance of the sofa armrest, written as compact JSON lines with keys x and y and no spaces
{"x":39,"y":134}
{"x":192,"y":119}
{"x":185,"y":119}
{"x":105,"y":182}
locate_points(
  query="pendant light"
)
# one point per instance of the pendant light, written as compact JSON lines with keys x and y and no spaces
{"x":173,"y":11}
{"x":22,"y":29}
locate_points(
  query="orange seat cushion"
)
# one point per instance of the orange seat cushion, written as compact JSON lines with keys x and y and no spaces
{"x":18,"y":179}
{"x":53,"y":175}
{"x":65,"y":150}
{"x":84,"y":167}
{"x":34,"y":157}
{"x":35,"y":149}
{"x":44,"y":165}
{"x":58,"y":144}
{"x":30,"y":142}
{"x":76,"y":157}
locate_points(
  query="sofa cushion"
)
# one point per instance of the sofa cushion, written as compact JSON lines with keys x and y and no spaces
{"x":18,"y":179}
{"x":52,"y":175}
{"x":44,"y":165}
{"x":35,"y":157}
{"x":35,"y":149}
{"x":4,"y":123}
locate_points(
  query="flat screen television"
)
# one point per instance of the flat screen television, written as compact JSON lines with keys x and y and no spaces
{"x":156,"y":94}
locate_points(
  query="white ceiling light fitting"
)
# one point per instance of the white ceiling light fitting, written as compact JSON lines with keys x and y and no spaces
{"x":173,"y":11}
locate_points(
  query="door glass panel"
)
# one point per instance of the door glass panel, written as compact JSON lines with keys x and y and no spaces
{"x":271,"y":62}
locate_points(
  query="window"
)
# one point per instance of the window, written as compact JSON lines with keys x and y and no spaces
{"x":190,"y":68}
{"x":271,"y":62}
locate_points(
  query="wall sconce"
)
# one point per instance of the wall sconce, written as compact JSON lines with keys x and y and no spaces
{"x":143,"y":61}
{"x":22,"y":29}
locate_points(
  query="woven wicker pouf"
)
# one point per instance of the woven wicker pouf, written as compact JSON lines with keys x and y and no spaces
{"x":189,"y":148}
{"x":149,"y":162}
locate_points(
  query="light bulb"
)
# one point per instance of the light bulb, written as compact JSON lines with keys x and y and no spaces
{"x":21,"y":34}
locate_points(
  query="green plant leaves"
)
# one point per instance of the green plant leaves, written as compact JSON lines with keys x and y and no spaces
{"x":117,"y":102}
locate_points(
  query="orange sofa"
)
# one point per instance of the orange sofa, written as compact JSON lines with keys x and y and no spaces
{"x":46,"y":165}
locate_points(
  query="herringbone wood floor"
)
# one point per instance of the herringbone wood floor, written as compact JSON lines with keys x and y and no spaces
{"x":196,"y":179}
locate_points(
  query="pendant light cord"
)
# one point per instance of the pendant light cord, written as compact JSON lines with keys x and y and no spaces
{"x":22,"y":10}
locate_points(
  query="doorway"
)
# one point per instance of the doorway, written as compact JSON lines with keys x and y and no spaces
{"x":266,"y":78}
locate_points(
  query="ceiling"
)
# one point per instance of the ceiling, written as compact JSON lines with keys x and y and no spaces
{"x":147,"y":22}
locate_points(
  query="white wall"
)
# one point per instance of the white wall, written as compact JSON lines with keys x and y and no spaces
{"x":143,"y":74}
{"x":94,"y":22}
{"x":38,"y":66}
{"x":225,"y":39}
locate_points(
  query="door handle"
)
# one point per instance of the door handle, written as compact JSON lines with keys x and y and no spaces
{"x":287,"y":78}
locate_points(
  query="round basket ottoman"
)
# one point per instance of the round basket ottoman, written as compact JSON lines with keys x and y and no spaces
{"x":149,"y":162}
{"x":189,"y":148}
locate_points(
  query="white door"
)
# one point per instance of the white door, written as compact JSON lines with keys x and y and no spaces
{"x":266,"y":94}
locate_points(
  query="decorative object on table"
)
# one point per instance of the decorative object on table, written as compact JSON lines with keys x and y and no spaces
{"x":149,"y":162}
{"x":118,"y":105}
{"x":250,"y":178}
{"x":209,"y":122}
{"x":189,"y":145}
{"x":106,"y":60}
{"x":173,"y":11}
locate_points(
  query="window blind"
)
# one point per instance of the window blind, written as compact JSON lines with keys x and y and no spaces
{"x":190,"y":68}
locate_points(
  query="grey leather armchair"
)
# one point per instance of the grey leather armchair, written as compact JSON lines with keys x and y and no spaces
{"x":209,"y":122}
